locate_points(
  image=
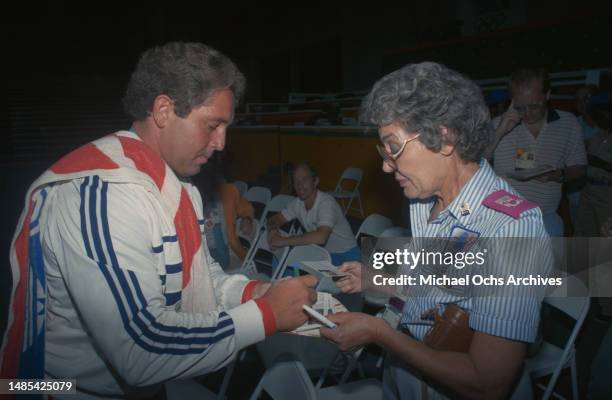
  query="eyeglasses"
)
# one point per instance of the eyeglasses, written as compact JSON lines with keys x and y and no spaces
{"x":390,"y":158}
{"x":530,"y":107}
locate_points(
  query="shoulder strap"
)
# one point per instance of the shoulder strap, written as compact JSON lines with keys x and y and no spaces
{"x":508,"y":203}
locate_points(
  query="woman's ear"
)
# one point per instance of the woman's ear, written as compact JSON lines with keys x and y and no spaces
{"x":449,"y":141}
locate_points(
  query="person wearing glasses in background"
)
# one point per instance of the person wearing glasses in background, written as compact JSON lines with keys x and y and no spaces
{"x":434,"y":127}
{"x":531,"y":134}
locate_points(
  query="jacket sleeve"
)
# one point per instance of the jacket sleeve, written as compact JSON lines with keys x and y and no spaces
{"x":101,"y":236}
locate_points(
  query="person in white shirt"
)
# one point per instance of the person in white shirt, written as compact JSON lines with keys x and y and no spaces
{"x":320,"y":216}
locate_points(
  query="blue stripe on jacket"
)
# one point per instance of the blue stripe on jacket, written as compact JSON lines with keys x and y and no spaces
{"x":198,"y":338}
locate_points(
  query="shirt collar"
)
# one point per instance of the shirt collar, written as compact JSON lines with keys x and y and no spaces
{"x":314,"y":204}
{"x":552,"y":115}
{"x":472,"y":194}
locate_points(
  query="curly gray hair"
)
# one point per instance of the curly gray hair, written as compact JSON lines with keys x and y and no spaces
{"x":427,"y":96}
{"x":188,"y":73}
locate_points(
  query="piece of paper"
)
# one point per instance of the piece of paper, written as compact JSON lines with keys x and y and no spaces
{"x":326,"y":304}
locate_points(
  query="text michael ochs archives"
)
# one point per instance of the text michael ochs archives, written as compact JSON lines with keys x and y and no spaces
{"x":459,"y":260}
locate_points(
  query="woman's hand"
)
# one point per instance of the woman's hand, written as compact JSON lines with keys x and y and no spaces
{"x":353,"y":330}
{"x":351,"y":283}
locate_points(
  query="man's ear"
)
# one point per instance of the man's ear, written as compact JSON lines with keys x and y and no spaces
{"x":163,"y":110}
{"x":316,"y":182}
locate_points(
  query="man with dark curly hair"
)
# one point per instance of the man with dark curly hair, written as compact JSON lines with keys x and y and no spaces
{"x":114,"y":285}
{"x":434,"y":127}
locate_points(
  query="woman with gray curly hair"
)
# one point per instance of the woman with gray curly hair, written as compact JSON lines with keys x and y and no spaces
{"x":434,"y":128}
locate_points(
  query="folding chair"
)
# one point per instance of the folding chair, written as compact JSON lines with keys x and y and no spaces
{"x":551,"y":359}
{"x":394,"y":231}
{"x":259,"y":250}
{"x":373,"y":225}
{"x":310,"y":252}
{"x":350,"y":174}
{"x":241,"y":186}
{"x":377,"y":298}
{"x":279,"y":203}
{"x":276,"y":205}
{"x":287,"y":379}
{"x":259,"y":197}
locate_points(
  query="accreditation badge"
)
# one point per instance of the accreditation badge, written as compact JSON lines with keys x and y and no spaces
{"x":461,"y":238}
{"x":525,"y":158}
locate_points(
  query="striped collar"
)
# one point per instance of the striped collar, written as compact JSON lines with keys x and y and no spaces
{"x":472,"y":193}
{"x":468,"y":202}
{"x":552,"y":115}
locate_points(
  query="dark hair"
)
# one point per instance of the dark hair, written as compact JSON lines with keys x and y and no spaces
{"x":313,"y":172}
{"x":524,"y":76}
{"x":427,"y":96}
{"x":188,"y":73}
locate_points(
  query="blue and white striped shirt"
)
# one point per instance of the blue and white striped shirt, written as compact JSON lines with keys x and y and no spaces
{"x":511,"y":317}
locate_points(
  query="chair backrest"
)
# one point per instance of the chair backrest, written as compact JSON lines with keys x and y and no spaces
{"x":374,"y":225}
{"x":394,"y":231}
{"x":564,"y":298}
{"x":351,"y":173}
{"x":310,"y":252}
{"x":241,"y":186}
{"x":276,"y":205}
{"x":279,"y":202}
{"x":286,"y":379}
{"x":261,"y":196}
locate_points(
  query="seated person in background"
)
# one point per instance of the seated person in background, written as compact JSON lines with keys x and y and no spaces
{"x":583,"y":98}
{"x":596,"y":200}
{"x":532,"y":134}
{"x":222,"y":206}
{"x":595,"y":207}
{"x":320,"y":216}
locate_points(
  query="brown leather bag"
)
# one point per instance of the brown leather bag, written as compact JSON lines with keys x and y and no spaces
{"x":451,"y":331}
